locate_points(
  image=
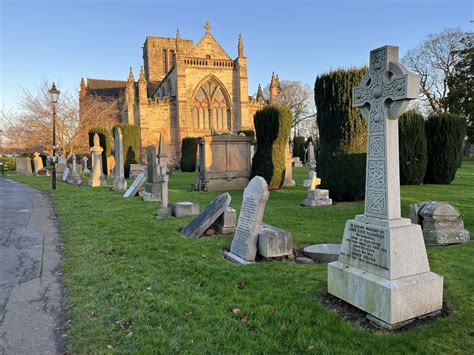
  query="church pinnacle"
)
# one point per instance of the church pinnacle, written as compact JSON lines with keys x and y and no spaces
{"x":83,"y":91}
{"x":207,"y":27}
{"x":130,"y":76}
{"x":260,"y":97}
{"x":142,"y":79}
{"x":240,"y":46}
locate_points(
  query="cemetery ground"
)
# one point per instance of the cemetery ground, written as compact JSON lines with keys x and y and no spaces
{"x":134,"y":284}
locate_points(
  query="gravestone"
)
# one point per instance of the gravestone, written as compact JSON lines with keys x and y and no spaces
{"x":61,"y":164}
{"x":110,"y":165}
{"x":135,"y":170}
{"x":97,"y":177}
{"x":274,"y":242}
{"x":66,"y":173}
{"x":165,"y":210}
{"x":315,"y":197}
{"x":311,"y":158}
{"x":207,"y":217}
{"x":85,"y":170}
{"x":73,"y":176}
{"x":183,"y":209}
{"x":249,"y":224}
{"x":225,"y":224}
{"x":441,"y":223}
{"x":223,"y":162}
{"x":383,"y":267}
{"x":297,"y":162}
{"x":120,"y":184}
{"x":23,"y":166}
{"x":288,"y":182}
{"x":152,"y":186}
{"x":38,"y":163}
{"x":136,"y":185}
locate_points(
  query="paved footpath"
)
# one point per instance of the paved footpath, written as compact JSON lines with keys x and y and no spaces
{"x":31,"y":290}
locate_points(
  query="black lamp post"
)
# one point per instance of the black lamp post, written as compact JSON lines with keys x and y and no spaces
{"x":54,"y":100}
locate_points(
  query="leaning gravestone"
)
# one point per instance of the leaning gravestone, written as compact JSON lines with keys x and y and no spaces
{"x":136,"y":185}
{"x":120,"y":184}
{"x":207,"y":217}
{"x":38,"y":163}
{"x":244,"y":244}
{"x":383,"y":267}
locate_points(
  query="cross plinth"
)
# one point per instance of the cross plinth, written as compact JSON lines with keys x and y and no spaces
{"x":312,"y":182}
{"x":382,"y":96}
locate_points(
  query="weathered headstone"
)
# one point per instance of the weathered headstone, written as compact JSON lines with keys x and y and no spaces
{"x":315,"y":197}
{"x":23,"y":166}
{"x":441,"y":223}
{"x":225,"y":224}
{"x":164,"y":210}
{"x":311,"y":158}
{"x":38,"y":163}
{"x":73,"y":176}
{"x":120,"y":184}
{"x":249,"y":224}
{"x":182,"y":209}
{"x":207,"y":217}
{"x":135,"y":170}
{"x":297,"y":162}
{"x":110,"y":165}
{"x":152,"y":186}
{"x":85,"y":170}
{"x":61,"y":164}
{"x":274,"y":242}
{"x":97,"y":177}
{"x":136,"y":185}
{"x":383,"y":267}
{"x":288,"y":182}
{"x":66,"y":173}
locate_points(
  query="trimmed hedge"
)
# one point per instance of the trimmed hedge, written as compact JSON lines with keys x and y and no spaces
{"x":188,"y":154}
{"x":105,"y":142}
{"x":9,"y":164}
{"x":131,"y":145}
{"x":298,"y":148}
{"x":272,"y":126}
{"x":412,"y":147}
{"x":343,"y":134}
{"x":445,"y":135}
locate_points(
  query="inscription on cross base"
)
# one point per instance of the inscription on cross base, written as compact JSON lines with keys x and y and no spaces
{"x":382,"y":96}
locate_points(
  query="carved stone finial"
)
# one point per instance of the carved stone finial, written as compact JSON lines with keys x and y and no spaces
{"x":178,"y":36}
{"x":259,"y":94}
{"x":207,"y":27}
{"x":240,"y":46}
{"x":142,"y":79}
{"x":130,"y":76}
{"x":83,"y":91}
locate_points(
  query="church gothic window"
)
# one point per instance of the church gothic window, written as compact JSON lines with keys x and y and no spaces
{"x":210,"y":107}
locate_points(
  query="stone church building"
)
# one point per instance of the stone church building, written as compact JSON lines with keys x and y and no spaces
{"x":184,"y":90}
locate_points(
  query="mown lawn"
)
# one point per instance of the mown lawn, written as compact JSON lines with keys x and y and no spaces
{"x":135,"y":285}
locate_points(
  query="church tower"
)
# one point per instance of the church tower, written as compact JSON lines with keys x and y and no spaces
{"x":275,"y":88}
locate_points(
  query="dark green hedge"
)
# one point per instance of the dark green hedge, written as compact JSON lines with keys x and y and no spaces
{"x":445,"y":136}
{"x":298,"y":147}
{"x":343,"y":134}
{"x":272,"y":126}
{"x":188,"y":154}
{"x":9,"y":164}
{"x":131,"y":145}
{"x":105,"y":142}
{"x":412,"y":148}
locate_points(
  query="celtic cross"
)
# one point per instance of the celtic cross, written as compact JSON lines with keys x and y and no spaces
{"x":382,"y":96}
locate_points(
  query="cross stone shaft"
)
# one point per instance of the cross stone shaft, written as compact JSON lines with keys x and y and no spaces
{"x":383,"y":95}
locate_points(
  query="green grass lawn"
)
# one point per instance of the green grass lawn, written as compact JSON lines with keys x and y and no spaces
{"x":135,"y":285}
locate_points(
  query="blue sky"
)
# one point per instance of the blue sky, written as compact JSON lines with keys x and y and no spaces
{"x":66,"y":40}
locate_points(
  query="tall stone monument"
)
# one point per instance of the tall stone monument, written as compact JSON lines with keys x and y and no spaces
{"x":97,"y":177}
{"x":120,"y":184}
{"x":85,"y":170}
{"x":383,"y":267}
{"x":288,"y":182}
{"x":165,"y":210}
{"x":152,"y":186}
{"x":311,"y":157}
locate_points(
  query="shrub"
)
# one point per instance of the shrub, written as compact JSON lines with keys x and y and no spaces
{"x":272,"y":126}
{"x":298,"y":147}
{"x":105,"y":143}
{"x":412,"y":148}
{"x":445,"y":135}
{"x":131,"y":145}
{"x":9,"y":164}
{"x":188,"y":154}
{"x":343,"y":134}
{"x":248,"y":133}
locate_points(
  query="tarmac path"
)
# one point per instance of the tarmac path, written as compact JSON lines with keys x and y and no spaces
{"x":31,"y":290}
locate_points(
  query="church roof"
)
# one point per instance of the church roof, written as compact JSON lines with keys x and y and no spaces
{"x":102,"y":87}
{"x":208,"y":45}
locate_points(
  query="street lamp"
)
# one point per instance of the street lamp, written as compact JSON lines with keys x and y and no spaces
{"x":54,"y":100}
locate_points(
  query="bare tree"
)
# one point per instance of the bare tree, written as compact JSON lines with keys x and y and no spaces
{"x":298,"y":97}
{"x":434,"y":60}
{"x":29,"y":126}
